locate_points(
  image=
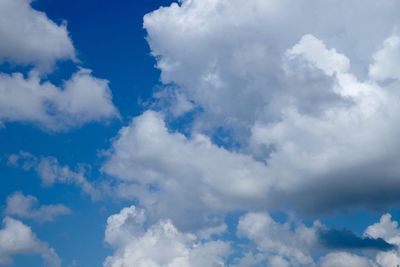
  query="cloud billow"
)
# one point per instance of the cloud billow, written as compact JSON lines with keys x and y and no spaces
{"x":313,"y":116}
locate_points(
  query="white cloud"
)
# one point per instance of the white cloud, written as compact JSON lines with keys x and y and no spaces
{"x":286,"y":244}
{"x":291,"y":243}
{"x":342,"y":149}
{"x":388,"y":259}
{"x":303,"y":157}
{"x":179,"y":177}
{"x":82,"y":99}
{"x":386,"y":229}
{"x":225,"y":56}
{"x":17,"y":238}
{"x":261,"y":241}
{"x":290,"y":83}
{"x":344,"y":259}
{"x":26,"y":206}
{"x":30,"y":37}
{"x":386,"y":63}
{"x":52,"y":172}
{"x":158,"y":245}
{"x":315,"y":52}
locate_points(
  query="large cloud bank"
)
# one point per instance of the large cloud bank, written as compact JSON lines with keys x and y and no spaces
{"x":260,"y":241}
{"x":306,"y":97}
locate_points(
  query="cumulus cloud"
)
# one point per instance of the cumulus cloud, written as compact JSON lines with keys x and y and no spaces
{"x":52,"y":172}
{"x":138,"y":242}
{"x":291,"y":243}
{"x":386,"y":228}
{"x":30,"y":37}
{"x":82,"y":99}
{"x":312,"y":157}
{"x":226,"y":56}
{"x":280,"y":244}
{"x":386,"y":61}
{"x":260,"y":240}
{"x":17,"y":238}
{"x":343,"y":259}
{"x":26,"y":206}
{"x":161,"y":244}
{"x":179,"y":177}
{"x":310,"y":127}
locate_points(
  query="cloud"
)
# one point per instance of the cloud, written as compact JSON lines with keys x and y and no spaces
{"x":179,"y":177}
{"x":260,"y":241}
{"x":346,"y":239}
{"x":292,"y":243}
{"x":280,"y":244}
{"x":226,"y":57}
{"x":386,"y":61}
{"x":82,"y":99}
{"x":17,"y":238}
{"x":311,"y":157}
{"x":315,"y":52}
{"x":51,"y":172}
{"x":386,"y":229}
{"x":161,"y":244}
{"x":30,"y":37}
{"x":294,"y":85}
{"x":26,"y":206}
{"x":344,"y":259}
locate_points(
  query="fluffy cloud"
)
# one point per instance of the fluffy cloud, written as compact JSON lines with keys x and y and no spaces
{"x":345,"y":145}
{"x":260,"y":241}
{"x":310,"y":157}
{"x":386,"y":61}
{"x":343,"y":259}
{"x":284,"y":244}
{"x":294,"y":244}
{"x":26,"y":206}
{"x":388,"y":230}
{"x":51,"y":172}
{"x":179,"y":177}
{"x":299,"y":91}
{"x":82,"y":99}
{"x":226,"y":56}
{"x":17,"y":238}
{"x":157,"y":245}
{"x":30,"y":37}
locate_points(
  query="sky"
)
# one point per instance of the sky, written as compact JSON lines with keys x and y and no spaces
{"x":193,"y":133}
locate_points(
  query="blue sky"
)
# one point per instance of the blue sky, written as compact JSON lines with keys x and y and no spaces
{"x":199,"y":133}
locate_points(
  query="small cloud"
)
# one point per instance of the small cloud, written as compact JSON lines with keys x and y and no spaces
{"x":52,"y":172}
{"x":26,"y":206}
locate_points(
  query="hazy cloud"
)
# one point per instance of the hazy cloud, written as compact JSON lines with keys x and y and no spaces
{"x":26,"y":206}
{"x":17,"y":238}
{"x":52,"y":172}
